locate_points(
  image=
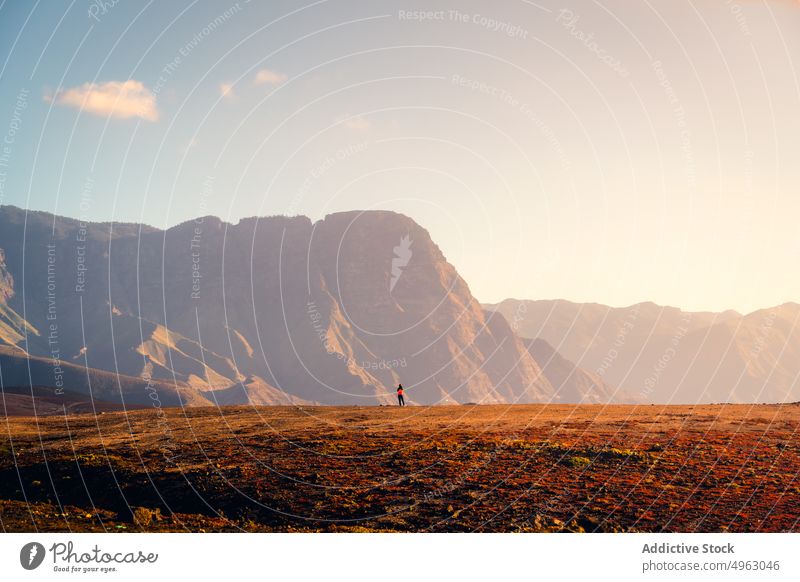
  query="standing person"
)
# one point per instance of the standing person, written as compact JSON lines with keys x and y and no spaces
{"x":400,"y":400}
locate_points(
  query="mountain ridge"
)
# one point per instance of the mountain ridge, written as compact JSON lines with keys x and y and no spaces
{"x":269,"y":310}
{"x":664,"y":354}
{"x":282,"y":310}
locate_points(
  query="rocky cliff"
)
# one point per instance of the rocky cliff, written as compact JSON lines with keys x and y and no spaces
{"x":268,"y":310}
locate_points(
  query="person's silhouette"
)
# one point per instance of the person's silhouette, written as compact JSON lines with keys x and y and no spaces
{"x":400,"y":400}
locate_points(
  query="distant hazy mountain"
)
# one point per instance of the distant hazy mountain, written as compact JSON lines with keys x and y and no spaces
{"x":571,"y":383}
{"x":269,"y":311}
{"x":663,"y":354}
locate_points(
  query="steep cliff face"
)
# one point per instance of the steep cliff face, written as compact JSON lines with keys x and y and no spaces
{"x":287,"y":310}
{"x":12,"y":327}
{"x":6,"y":280}
{"x":406,"y":310}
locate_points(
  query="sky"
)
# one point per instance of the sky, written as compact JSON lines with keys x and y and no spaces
{"x":605,"y":151}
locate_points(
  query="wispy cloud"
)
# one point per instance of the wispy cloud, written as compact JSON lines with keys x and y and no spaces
{"x":118,"y":99}
{"x":267,"y":77}
{"x":226,"y":90}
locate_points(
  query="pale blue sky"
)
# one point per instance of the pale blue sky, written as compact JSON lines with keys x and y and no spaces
{"x":611,"y":151}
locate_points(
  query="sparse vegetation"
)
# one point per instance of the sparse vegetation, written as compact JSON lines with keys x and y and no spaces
{"x":490,"y":468}
{"x":577,"y":462}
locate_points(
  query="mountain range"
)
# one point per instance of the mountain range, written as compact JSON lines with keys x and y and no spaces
{"x":283,"y":310}
{"x":662,"y":354}
{"x":273,"y":310}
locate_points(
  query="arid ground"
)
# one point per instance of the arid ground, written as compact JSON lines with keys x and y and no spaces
{"x":524,"y":468}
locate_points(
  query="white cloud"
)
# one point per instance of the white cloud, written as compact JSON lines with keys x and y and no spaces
{"x":267,"y":77}
{"x":119,"y":99}
{"x":226,"y":90}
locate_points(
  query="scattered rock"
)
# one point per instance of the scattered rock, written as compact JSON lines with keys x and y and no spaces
{"x":144,"y":516}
